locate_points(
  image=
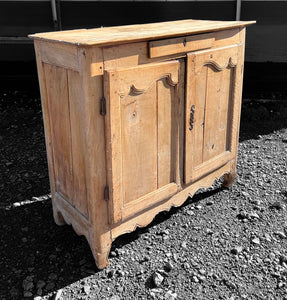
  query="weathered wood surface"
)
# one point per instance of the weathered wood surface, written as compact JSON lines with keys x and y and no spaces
{"x":141,"y":126}
{"x":133,"y":54}
{"x":180,"y":45}
{"x":61,"y":55}
{"x":171,"y":124}
{"x":210,"y":97}
{"x":125,"y":34}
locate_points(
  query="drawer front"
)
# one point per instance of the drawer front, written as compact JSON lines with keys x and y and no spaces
{"x":181,"y":44}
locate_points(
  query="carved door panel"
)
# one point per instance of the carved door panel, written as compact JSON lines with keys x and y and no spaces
{"x":142,"y":136}
{"x":213,"y":97}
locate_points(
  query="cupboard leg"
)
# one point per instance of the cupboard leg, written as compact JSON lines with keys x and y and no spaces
{"x":58,"y":217}
{"x":229,"y":178}
{"x":101,"y":249}
{"x":101,"y":259}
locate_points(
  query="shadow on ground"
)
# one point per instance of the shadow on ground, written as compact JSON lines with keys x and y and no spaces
{"x":33,"y":245}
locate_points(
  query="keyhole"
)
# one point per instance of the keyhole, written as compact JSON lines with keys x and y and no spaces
{"x":184,"y":42}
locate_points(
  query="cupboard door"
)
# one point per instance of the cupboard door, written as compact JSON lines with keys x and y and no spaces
{"x":142,"y":136}
{"x":213,"y":98}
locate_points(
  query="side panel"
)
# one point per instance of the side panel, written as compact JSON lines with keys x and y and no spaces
{"x":59,"y":115}
{"x":65,"y":106}
{"x":77,"y":124}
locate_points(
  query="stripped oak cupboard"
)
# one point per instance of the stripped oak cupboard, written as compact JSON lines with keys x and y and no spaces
{"x":137,"y":118}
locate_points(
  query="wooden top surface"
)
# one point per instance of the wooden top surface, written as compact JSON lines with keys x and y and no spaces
{"x":120,"y":34}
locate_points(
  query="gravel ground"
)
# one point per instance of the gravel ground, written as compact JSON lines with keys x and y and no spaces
{"x":221,"y":244}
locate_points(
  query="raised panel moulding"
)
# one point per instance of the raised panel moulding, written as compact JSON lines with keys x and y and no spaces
{"x":218,"y":67}
{"x":135,"y":91}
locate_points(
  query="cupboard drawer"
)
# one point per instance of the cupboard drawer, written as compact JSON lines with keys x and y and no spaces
{"x":180,"y":45}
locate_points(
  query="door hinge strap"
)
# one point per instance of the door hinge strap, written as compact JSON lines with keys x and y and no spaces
{"x":103,"y":106}
{"x":106,"y":193}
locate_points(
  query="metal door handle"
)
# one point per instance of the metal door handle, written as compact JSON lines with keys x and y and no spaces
{"x":191,"y":120}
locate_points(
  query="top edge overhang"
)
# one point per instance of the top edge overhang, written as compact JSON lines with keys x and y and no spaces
{"x":106,"y":36}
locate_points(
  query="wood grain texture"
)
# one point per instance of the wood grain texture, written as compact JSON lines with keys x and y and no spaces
{"x":141,"y":103}
{"x":47,"y":129}
{"x":95,"y":158}
{"x":165,"y":133}
{"x":77,"y":125}
{"x":235,"y":111}
{"x":133,"y":54}
{"x":59,"y":119}
{"x":61,"y":55}
{"x":211,"y":141}
{"x":139,"y":145}
{"x":125,"y":34}
{"x":71,"y":217}
{"x":210,"y":91}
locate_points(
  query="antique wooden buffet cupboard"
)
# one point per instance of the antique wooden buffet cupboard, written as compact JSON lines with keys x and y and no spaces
{"x":137,"y":118}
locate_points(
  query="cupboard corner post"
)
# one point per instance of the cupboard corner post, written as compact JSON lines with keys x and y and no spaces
{"x":95,"y":154}
{"x":229,"y":178}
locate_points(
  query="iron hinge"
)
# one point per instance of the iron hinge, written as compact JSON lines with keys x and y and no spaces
{"x":103,"y":106}
{"x":107,"y":193}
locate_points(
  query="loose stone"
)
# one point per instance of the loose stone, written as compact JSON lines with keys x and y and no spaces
{"x":236,"y":250}
{"x":277,"y":205}
{"x":39,"y":292}
{"x":53,"y":276}
{"x":58,"y":294}
{"x":50,"y":286}
{"x":170,"y":295}
{"x":87,"y":289}
{"x":184,"y":245}
{"x":255,"y":241}
{"x":27,"y":294}
{"x":168,"y":266}
{"x":115,"y":297}
{"x":27,"y":285}
{"x":281,"y":234}
{"x":41,"y":284}
{"x":157,"y":279}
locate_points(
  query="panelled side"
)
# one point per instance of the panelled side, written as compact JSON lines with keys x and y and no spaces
{"x":59,"y":117}
{"x":64,"y":113}
{"x":77,"y":125}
